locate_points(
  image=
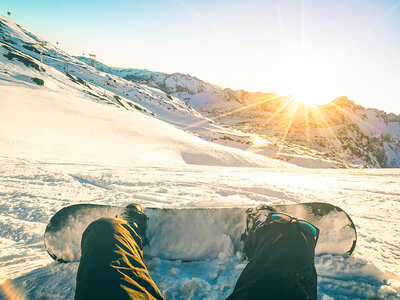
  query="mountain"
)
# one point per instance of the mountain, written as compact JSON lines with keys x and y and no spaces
{"x":56,"y":108}
{"x":338,"y":134}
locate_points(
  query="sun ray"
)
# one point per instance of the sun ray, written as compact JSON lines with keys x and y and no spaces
{"x":307,"y":124}
{"x":288,"y":127}
{"x":281,"y":108}
{"x":264,"y":100}
{"x":291,"y":120}
{"x":355,"y":117}
{"x":229,"y":37}
{"x":303,"y":35}
{"x":322,"y":117}
{"x":365,"y":32}
{"x":282,"y":34}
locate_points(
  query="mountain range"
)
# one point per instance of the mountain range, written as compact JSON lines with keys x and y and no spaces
{"x":340,"y":134}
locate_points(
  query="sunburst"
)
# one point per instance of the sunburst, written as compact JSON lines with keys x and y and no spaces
{"x":306,"y":81}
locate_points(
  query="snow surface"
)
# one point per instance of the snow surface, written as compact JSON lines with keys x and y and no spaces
{"x":33,"y":191}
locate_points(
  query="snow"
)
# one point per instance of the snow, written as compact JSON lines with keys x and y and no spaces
{"x":76,"y":130}
{"x":372,"y":272}
{"x":201,"y":100}
{"x":194,"y":235}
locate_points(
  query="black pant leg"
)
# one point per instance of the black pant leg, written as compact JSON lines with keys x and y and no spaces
{"x":112,"y":265}
{"x":281,"y":265}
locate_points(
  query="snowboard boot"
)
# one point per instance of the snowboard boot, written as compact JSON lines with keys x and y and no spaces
{"x":256,"y":216}
{"x":281,"y":262}
{"x":137,"y":219}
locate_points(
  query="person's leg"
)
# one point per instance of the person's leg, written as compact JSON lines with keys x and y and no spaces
{"x":281,"y":264}
{"x":112,"y":265}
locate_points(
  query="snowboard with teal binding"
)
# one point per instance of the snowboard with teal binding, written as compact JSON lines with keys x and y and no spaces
{"x":190,"y":234}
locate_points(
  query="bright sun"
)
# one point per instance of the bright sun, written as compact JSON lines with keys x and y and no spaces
{"x":307,"y":84}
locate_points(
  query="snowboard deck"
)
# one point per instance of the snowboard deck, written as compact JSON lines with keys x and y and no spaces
{"x":190,"y":234}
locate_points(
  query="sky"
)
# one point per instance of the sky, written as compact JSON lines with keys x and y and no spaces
{"x":314,"y":50}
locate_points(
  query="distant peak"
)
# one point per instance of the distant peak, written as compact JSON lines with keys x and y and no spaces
{"x":345,"y":102}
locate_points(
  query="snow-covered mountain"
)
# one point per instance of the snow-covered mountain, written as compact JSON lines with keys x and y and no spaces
{"x":340,"y":133}
{"x":59,"y":110}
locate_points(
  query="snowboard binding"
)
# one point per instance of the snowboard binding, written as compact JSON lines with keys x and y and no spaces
{"x":137,"y":219}
{"x":255,"y":217}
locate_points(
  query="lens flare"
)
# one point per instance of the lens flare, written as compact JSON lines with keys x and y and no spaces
{"x":306,"y":83}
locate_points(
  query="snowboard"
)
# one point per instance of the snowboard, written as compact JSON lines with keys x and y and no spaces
{"x":191,"y":234}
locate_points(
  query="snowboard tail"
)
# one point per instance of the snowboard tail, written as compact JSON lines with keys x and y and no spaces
{"x":194,"y":233}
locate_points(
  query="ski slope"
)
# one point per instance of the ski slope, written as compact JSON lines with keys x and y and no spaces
{"x":33,"y":191}
{"x":33,"y":88}
{"x":52,"y":126}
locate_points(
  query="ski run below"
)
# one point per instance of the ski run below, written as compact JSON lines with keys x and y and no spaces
{"x":32,"y":191}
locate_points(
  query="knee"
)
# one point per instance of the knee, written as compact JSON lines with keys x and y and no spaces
{"x":102,"y":229}
{"x":105,"y":223}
